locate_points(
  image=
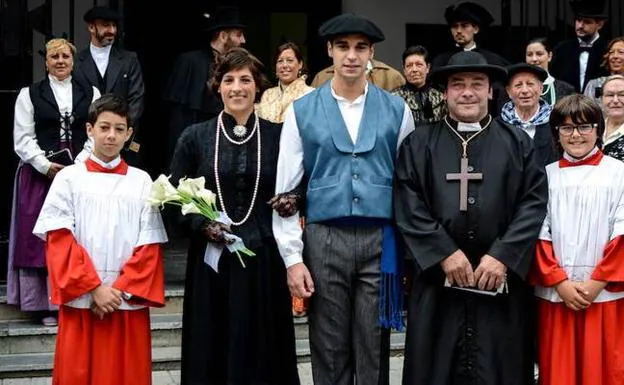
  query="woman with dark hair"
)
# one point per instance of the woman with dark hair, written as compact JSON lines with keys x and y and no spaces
{"x":237,"y":323}
{"x":539,"y":53}
{"x":427,"y":103}
{"x":578,"y":270}
{"x":291,"y":74}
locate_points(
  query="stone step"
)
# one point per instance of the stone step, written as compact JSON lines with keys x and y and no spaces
{"x":29,"y":365}
{"x":174,"y":298}
{"x":23,"y":337}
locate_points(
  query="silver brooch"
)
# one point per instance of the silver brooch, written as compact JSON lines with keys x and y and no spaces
{"x":240,"y":131}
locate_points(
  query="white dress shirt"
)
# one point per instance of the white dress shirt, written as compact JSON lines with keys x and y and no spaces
{"x":100,"y":56}
{"x":24,"y":137}
{"x":287,"y":231}
{"x":584,"y":59}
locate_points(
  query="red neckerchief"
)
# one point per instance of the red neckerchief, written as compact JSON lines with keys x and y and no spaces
{"x":593,"y":160}
{"x":93,"y":166}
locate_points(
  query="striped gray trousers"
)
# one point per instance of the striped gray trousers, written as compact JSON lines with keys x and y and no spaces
{"x":347,"y":344}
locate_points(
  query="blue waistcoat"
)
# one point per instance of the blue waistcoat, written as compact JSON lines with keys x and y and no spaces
{"x":347,"y":179}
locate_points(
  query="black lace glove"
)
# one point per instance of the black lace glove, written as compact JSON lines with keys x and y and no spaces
{"x":215,"y":232}
{"x":286,"y":204}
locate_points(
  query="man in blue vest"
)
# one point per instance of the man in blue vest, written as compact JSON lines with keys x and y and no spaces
{"x":343,"y":139}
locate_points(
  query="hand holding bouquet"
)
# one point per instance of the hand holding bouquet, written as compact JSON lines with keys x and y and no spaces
{"x":193,"y":198}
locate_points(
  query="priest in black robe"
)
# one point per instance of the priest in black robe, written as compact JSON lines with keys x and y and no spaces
{"x":476,"y":234}
{"x":186,"y":92}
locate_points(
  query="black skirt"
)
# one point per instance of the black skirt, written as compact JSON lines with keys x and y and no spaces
{"x":237,"y":324}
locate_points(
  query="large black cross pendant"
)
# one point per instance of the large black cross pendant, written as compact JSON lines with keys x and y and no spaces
{"x":463,"y":177}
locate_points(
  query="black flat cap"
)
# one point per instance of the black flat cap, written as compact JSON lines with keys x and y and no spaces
{"x":593,"y":9}
{"x":349,"y":23}
{"x":101,"y":13}
{"x":515,"y":69}
{"x":467,"y":61}
{"x":468,"y":12}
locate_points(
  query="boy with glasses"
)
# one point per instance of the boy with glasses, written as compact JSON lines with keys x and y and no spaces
{"x":579,"y":265}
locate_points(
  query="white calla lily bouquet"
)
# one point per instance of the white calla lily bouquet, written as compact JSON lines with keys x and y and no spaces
{"x":192,"y":197}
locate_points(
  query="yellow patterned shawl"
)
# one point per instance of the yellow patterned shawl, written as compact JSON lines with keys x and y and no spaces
{"x":275,"y":100}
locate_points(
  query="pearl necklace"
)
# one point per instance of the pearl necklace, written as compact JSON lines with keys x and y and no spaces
{"x":221,"y":127}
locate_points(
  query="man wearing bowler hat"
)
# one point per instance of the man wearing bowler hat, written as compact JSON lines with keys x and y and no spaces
{"x":578,"y":60}
{"x":112,"y":70}
{"x":470,"y":196}
{"x":343,"y":137}
{"x":187,"y":91}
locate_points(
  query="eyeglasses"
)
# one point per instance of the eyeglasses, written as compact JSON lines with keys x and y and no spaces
{"x":612,"y":95}
{"x":582,"y":129}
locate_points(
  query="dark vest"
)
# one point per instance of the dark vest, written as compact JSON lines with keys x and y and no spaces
{"x":48,"y":118}
{"x":101,"y":86}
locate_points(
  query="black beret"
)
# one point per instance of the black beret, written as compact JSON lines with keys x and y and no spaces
{"x":515,"y":69}
{"x":468,"y":12}
{"x":101,"y":13}
{"x":349,"y":23}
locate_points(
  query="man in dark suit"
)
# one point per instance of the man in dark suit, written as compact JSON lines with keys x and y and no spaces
{"x":112,"y":69}
{"x":466,"y":20}
{"x":578,"y":60}
{"x":187,"y":91}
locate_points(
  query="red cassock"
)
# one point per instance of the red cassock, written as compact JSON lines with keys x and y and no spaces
{"x":581,"y":347}
{"x":115,"y":350}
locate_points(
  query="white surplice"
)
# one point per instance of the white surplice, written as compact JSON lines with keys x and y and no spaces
{"x":585,"y":212}
{"x":108,"y":215}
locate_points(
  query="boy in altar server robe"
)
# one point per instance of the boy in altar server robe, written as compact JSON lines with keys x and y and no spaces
{"x":104,"y":258}
{"x":579,"y":265}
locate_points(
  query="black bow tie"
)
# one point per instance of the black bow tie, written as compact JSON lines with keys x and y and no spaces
{"x":585,"y":47}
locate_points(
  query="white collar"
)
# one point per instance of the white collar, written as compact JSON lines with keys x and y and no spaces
{"x":100,"y":51}
{"x":614,"y":135}
{"x":63,"y":82}
{"x":571,"y":159}
{"x":359,"y":99}
{"x":471,"y":48}
{"x":110,"y":165}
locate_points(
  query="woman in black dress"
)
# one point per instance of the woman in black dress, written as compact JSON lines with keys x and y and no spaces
{"x":237,"y":323}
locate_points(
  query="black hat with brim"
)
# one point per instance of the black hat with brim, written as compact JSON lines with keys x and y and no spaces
{"x":101,"y":13}
{"x":515,"y":69}
{"x":593,"y":9}
{"x":467,"y":61}
{"x":348,"y":24}
{"x":468,"y":12}
{"x":224,"y":18}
